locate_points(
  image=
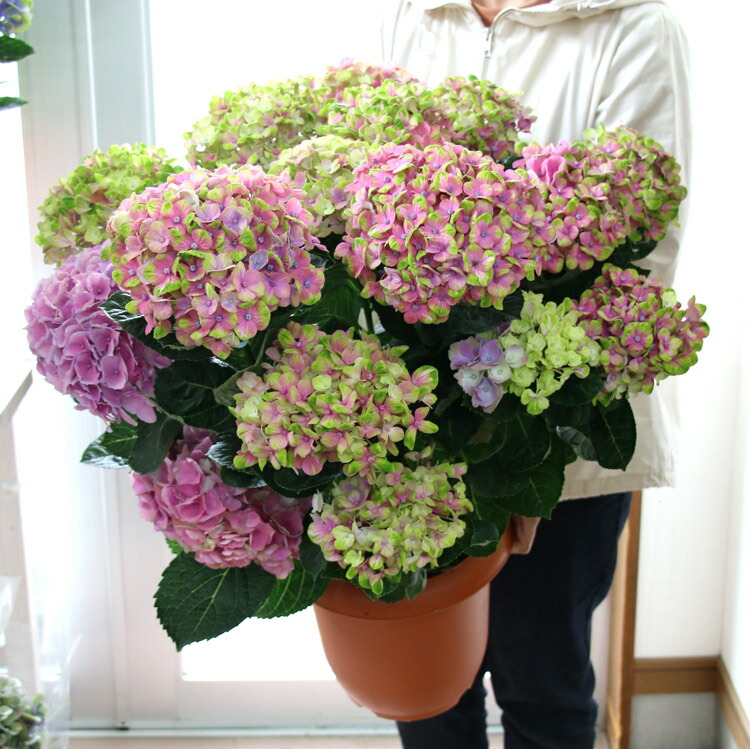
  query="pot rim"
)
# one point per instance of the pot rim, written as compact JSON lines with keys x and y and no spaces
{"x":443,"y":590}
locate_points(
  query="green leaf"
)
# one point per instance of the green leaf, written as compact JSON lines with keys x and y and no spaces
{"x":485,"y":534}
{"x":469,"y":319}
{"x":226,"y":446}
{"x":543,"y":486}
{"x":298,"y":591}
{"x":526,"y":442}
{"x":311,"y":556}
{"x":224,"y":394}
{"x":456,"y":426}
{"x":196,"y":603}
{"x":578,"y":441}
{"x":493,"y":479}
{"x":341,"y":302}
{"x":174,"y":546}
{"x":613,"y":434}
{"x":167,"y":346}
{"x":414,"y":583}
{"x":111,"y":449}
{"x":289,"y":483}
{"x":152,"y":443}
{"x":13,"y":49}
{"x":186,"y":389}
{"x":240,"y":479}
{"x":10,"y":102}
{"x":578,"y":390}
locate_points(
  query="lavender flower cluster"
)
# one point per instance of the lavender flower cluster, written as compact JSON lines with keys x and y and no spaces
{"x":331,"y":398}
{"x":211,"y":254}
{"x":81,"y":351}
{"x":222,"y":525}
{"x":392,"y":523}
{"x":15,"y":16}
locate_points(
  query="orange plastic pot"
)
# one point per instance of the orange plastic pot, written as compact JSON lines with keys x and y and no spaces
{"x":411,"y":660}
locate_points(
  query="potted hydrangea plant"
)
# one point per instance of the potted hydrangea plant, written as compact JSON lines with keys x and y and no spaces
{"x":363,"y":328}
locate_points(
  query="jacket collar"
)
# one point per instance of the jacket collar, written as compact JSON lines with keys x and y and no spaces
{"x":576,"y":7}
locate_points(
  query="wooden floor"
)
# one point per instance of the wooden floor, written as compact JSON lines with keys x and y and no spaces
{"x":123,"y":741}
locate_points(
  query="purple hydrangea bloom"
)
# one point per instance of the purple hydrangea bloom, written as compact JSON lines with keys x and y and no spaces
{"x":81,"y":351}
{"x":15,"y":16}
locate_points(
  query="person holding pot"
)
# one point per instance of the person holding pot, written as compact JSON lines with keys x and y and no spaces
{"x":578,"y":63}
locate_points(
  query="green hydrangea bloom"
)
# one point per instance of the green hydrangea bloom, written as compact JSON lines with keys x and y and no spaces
{"x":549,"y":346}
{"x":255,"y":123}
{"x":74,"y":214}
{"x":21,"y":717}
{"x":323,"y":167}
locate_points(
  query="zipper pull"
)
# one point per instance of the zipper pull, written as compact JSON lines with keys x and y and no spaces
{"x":488,"y":44}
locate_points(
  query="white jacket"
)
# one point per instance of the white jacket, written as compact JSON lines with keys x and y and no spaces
{"x":578,"y":63}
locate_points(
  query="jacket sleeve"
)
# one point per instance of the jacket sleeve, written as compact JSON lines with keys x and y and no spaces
{"x":646,"y":86}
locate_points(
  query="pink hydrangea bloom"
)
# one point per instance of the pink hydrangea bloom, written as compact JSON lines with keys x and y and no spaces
{"x":644,"y":332}
{"x":211,"y":255}
{"x":222,"y":525}
{"x":431,"y":228}
{"x":81,"y":351}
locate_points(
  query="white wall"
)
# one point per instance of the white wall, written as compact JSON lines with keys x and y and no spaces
{"x":694,"y":582}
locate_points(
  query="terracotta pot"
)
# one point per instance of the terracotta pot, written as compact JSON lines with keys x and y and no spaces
{"x":411,"y":659}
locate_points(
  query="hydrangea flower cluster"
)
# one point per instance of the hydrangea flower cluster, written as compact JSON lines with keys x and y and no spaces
{"x":644,"y":333}
{"x":212,"y":254}
{"x":645,"y":179}
{"x":603,"y":190}
{"x":392,"y":523}
{"x":74,"y":214}
{"x":531,"y":357}
{"x":22,"y":718}
{"x":254,"y":124}
{"x":394,"y":112}
{"x":223,"y":526}
{"x":484,"y":116}
{"x":331,"y":398}
{"x":81,"y":351}
{"x":350,"y":74}
{"x":429,"y":229}
{"x":323,"y":167}
{"x":15,"y":16}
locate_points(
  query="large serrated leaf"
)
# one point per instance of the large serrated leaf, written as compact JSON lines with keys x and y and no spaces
{"x":578,"y":441}
{"x":311,"y":556}
{"x":196,"y":603}
{"x":613,"y":433}
{"x":13,"y":49}
{"x":526,"y":441}
{"x":186,"y":389}
{"x":298,"y":591}
{"x":542,"y":486}
{"x":152,"y":443}
{"x":290,"y":483}
{"x":111,"y":449}
{"x":578,"y":391}
{"x":226,"y":446}
{"x":456,"y":426}
{"x":10,"y":102}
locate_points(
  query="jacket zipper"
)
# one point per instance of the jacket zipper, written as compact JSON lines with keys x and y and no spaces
{"x":487,"y":51}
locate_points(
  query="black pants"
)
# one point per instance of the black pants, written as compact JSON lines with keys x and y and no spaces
{"x":538,"y":650}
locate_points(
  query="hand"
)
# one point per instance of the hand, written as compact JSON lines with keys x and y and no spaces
{"x":524,"y":531}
